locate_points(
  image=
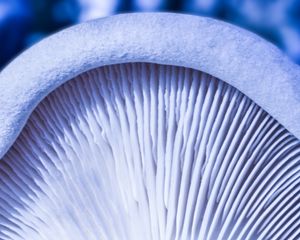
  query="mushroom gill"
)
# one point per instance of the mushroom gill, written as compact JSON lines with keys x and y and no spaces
{"x":148,"y":151}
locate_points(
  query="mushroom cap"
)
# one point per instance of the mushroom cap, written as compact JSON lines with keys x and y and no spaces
{"x":238,"y":57}
{"x":147,"y":126}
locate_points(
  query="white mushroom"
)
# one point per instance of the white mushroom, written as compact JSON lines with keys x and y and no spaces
{"x":125,"y":128}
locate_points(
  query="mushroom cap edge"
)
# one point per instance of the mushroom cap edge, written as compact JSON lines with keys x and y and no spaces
{"x":236,"y":56}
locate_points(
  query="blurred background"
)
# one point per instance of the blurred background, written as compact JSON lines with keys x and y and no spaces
{"x":24,"y":22}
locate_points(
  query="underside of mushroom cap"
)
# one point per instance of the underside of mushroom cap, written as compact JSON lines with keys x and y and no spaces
{"x":167,"y":144}
{"x":145,"y":151}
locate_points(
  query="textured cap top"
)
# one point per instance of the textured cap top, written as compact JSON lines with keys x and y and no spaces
{"x":245,"y":61}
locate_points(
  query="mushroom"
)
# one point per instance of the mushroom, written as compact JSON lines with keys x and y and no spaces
{"x":150,"y":126}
